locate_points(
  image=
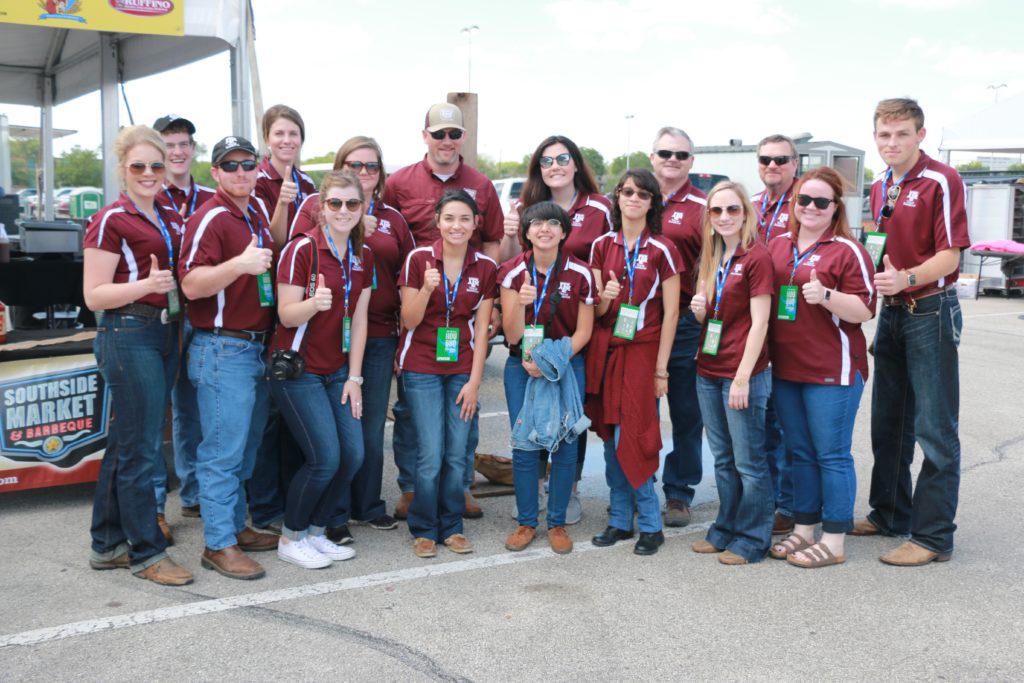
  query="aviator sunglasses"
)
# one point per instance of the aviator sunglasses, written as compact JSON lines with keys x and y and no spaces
{"x":562,"y":159}
{"x":644,"y":195}
{"x":819,"y":202}
{"x":668,"y":154}
{"x":370,"y":166}
{"x":138,"y":167}
{"x":891,"y":195}
{"x":232,"y":166}
{"x":779,"y":160}
{"x":732,"y":210}
{"x":350,"y":204}
{"x":453,"y":134}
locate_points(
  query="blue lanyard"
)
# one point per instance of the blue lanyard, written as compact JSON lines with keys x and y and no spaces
{"x":192,"y":208}
{"x":449,"y":304}
{"x":664,"y":202}
{"x":720,"y":278}
{"x":348,"y":273}
{"x":257,"y":233}
{"x":298,"y":187}
{"x":164,"y":232}
{"x":778,"y":207}
{"x":885,"y":198}
{"x":539,"y":301}
{"x":372,"y":204}
{"x":631,"y":264}
{"x":797,"y":259}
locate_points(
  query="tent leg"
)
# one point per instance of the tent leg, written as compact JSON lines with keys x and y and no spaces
{"x":46,"y":148}
{"x":109,"y":103}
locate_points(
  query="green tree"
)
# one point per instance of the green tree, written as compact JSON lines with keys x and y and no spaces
{"x":485,"y":164}
{"x":972,"y":166}
{"x":1015,"y":168}
{"x":594,"y":160}
{"x":618,"y":167}
{"x":24,"y":158}
{"x":77,"y":167}
{"x":201,"y":173}
{"x":869,"y":176}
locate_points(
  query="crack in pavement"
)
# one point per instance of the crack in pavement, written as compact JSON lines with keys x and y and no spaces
{"x":1000,"y":452}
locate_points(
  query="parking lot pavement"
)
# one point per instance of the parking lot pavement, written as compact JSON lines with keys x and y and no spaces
{"x":597,"y":614}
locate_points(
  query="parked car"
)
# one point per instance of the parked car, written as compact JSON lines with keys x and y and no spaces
{"x":61,"y":197}
{"x":705,"y":181}
{"x":508,"y":189}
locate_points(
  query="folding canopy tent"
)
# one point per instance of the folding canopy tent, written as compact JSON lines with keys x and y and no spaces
{"x":60,"y":56}
{"x":1000,"y":128}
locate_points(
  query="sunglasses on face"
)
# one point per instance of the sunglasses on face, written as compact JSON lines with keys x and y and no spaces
{"x":350,"y":204}
{"x":552,"y":223}
{"x":732,"y":210}
{"x":232,"y":166}
{"x":819,"y":202}
{"x":453,"y":134}
{"x":781,"y":160}
{"x":668,"y":154}
{"x":562,"y":159}
{"x":891,"y":195}
{"x":628,"y":192}
{"x":138,"y":168}
{"x":371,"y":167}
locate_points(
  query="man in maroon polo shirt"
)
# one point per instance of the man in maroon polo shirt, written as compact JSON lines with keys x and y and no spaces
{"x":225,"y":270}
{"x":921,"y":226}
{"x":414,"y":191}
{"x":681,"y":222}
{"x":777,"y":163}
{"x":181,"y":192}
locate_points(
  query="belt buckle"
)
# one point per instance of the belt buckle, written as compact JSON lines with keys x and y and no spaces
{"x":911,"y":304}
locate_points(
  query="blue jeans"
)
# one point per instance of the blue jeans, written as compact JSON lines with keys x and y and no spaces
{"x":624,"y":499}
{"x":780,"y":458}
{"x":436,"y":510}
{"x":138,"y":358}
{"x":916,"y":397}
{"x":818,"y":427}
{"x":683,"y":465}
{"x":736,"y":439}
{"x":530,"y":466}
{"x":231,"y":388}
{"x":378,"y":369}
{"x":332,"y":443}
{"x":185,"y":429}
{"x":277,"y":460}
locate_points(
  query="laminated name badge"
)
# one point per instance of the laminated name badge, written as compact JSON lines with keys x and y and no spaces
{"x":173,"y":304}
{"x":532,"y":336}
{"x":265,"y":287}
{"x":713,"y":338}
{"x":447,"y":344}
{"x":874,"y":242}
{"x":625,"y":324}
{"x":346,"y":334}
{"x":787,"y":302}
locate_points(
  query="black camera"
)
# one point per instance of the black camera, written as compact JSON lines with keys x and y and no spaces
{"x":286,"y":364}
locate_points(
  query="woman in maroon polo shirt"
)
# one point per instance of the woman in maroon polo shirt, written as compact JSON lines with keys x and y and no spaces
{"x":130,"y":249}
{"x":732,"y":301}
{"x":280,"y":185}
{"x":448,"y":289}
{"x":823,"y":285}
{"x":324,"y":281}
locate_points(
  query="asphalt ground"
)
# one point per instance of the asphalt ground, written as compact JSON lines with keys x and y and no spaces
{"x":596,"y":614}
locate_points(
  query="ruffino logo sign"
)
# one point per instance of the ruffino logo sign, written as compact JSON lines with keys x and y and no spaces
{"x":143,"y":8}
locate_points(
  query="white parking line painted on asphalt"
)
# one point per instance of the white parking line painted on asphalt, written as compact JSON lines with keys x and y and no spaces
{"x":82,"y":628}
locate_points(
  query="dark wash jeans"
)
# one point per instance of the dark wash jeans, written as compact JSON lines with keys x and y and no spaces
{"x":916,"y":397}
{"x":683,"y":468}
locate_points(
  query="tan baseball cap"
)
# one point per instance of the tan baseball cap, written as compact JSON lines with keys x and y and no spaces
{"x":442,"y":116}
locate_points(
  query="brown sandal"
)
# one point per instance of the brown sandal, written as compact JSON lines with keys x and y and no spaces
{"x":820,"y":556}
{"x":790,"y":544}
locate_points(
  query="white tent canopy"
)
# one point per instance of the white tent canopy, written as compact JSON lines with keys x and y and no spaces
{"x":1000,"y":128}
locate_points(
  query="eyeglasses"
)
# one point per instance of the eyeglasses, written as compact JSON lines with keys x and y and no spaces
{"x":178,"y":145}
{"x":891,"y":195}
{"x":779,"y":160}
{"x":562,"y":159}
{"x":668,"y":154}
{"x":732,"y":210}
{"x":552,"y":223}
{"x":350,"y":204}
{"x":819,"y":202}
{"x":138,"y":168}
{"x":644,"y":195}
{"x":232,"y":166}
{"x":453,"y":134}
{"x":371,"y":167}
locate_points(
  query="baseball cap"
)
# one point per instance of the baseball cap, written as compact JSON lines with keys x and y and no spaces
{"x":164,"y":122}
{"x":230,"y":144}
{"x":442,"y":116}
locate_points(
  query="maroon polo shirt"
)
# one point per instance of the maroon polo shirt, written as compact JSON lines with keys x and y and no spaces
{"x":818,"y":347}
{"x":779,"y":213}
{"x":214,"y":234}
{"x":174,"y":197}
{"x":414,"y":191}
{"x":268,"y":188}
{"x":682,"y":221}
{"x":590,"y":216}
{"x":658,"y":261}
{"x":121,"y":229}
{"x":322,"y":334}
{"x":575,"y":286}
{"x":930,"y":216}
{"x":750,"y":274}
{"x":479,"y":282}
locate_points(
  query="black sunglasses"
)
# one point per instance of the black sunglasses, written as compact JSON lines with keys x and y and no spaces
{"x":138,"y":167}
{"x":779,"y":160}
{"x":232,"y":166}
{"x":453,"y":134}
{"x":819,"y":202}
{"x":891,"y":195}
{"x":370,"y":166}
{"x":644,"y":195}
{"x":562,"y":159}
{"x":668,"y":154}
{"x":732,"y":210}
{"x":350,"y":204}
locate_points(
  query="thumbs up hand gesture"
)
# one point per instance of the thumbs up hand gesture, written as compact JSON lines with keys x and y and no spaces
{"x":322,"y":297}
{"x":512,"y":221}
{"x":431,"y":279}
{"x":889,"y":281}
{"x":612,"y":288}
{"x":254,"y":260}
{"x":289,"y":190}
{"x":160,"y":281}
{"x":813,"y":290}
{"x":699,"y":302}
{"x":527,"y":293}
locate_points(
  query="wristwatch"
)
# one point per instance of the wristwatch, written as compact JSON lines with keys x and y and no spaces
{"x":828,"y":295}
{"x":911,"y":278}
{"x":358,"y":379}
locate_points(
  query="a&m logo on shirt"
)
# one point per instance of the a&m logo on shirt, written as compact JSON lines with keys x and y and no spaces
{"x":911,"y":200}
{"x":178,"y":228}
{"x":564,"y":289}
{"x":812,"y":260}
{"x":737,"y":269}
{"x":357,"y":265}
{"x":384,"y":226}
{"x":577,"y":220}
{"x":676,"y":218}
{"x":641,"y":262}
{"x":473,"y":285}
{"x":783,"y":220}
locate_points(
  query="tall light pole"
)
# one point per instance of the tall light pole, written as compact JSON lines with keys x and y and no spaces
{"x":469,"y":31}
{"x":995,"y":90}
{"x":629,"y":120}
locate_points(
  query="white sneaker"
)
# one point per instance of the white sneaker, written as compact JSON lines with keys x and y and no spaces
{"x":574,"y":510}
{"x":302,"y":554}
{"x":329,"y":548}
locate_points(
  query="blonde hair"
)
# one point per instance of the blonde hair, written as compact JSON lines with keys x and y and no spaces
{"x":713,"y":246}
{"x":343,"y":179}
{"x":130,"y":137}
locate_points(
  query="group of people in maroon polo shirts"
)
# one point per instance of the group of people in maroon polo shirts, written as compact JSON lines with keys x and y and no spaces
{"x":312,"y":301}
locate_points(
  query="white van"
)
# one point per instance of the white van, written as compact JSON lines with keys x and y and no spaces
{"x":508,"y":189}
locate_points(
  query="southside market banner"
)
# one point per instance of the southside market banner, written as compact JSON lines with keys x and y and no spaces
{"x":158,"y":17}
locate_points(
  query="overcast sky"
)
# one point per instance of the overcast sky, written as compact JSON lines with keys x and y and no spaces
{"x":719,"y":70}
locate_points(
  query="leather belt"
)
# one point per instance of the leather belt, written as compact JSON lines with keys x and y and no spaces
{"x":515,"y":350}
{"x":247,"y":335}
{"x":910,"y":300}
{"x":140,"y":310}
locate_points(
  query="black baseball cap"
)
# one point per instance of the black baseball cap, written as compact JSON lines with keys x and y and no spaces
{"x":230,"y":144}
{"x":164,"y":122}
